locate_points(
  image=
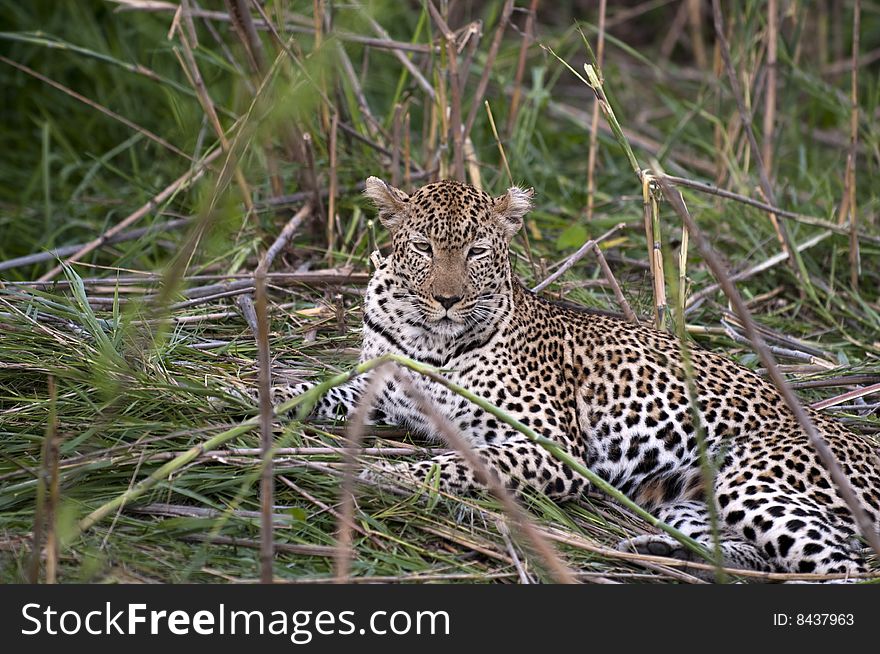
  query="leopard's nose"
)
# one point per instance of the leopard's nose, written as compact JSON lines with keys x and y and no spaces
{"x":447,"y":301}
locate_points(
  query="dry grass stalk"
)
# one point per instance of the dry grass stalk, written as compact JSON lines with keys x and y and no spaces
{"x":396,"y":147}
{"x":44,"y":532}
{"x":770,"y":94}
{"x":267,"y":486}
{"x":777,"y":227}
{"x":674,"y":31}
{"x":402,"y":58}
{"x":846,"y":397}
{"x":576,"y":256}
{"x":855,"y":263}
{"x":190,"y":68}
{"x":615,"y":287}
{"x":322,"y":18}
{"x":516,"y":95}
{"x":721,"y":145}
{"x":267,"y":551}
{"x":472,"y":163}
{"x":343,"y":550}
{"x":594,"y":119}
{"x":498,"y":142}
{"x":506,"y":11}
{"x":243,"y":24}
{"x":333,"y":190}
{"x":695,"y":21}
{"x":134,"y":234}
{"x":651,"y":214}
{"x":315,"y":186}
{"x":455,"y":93}
{"x":373,"y":126}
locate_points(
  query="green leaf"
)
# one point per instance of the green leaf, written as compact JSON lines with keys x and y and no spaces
{"x":572,"y":237}
{"x":298,"y":514}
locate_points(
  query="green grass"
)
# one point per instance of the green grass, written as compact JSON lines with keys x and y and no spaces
{"x":135,"y":373}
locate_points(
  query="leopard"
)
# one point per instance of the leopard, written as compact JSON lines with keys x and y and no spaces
{"x":613,"y":394}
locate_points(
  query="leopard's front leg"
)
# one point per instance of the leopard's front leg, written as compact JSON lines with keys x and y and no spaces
{"x":515,"y":461}
{"x":337,"y":402}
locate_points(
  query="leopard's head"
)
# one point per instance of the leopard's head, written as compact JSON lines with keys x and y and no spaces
{"x":451,"y":250}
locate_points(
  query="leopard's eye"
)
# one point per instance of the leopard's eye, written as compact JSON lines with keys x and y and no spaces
{"x":422,"y":246}
{"x":477,"y":251}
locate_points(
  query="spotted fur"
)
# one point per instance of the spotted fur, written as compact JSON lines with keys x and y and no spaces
{"x":612,"y":393}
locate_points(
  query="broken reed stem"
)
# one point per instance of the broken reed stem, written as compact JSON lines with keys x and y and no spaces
{"x":770,"y":93}
{"x":284,"y":237}
{"x":850,"y":176}
{"x":191,"y":69}
{"x":506,"y":11}
{"x":840,"y":480}
{"x":53,"y":495}
{"x":312,"y":170}
{"x":398,"y":54}
{"x":615,"y":287}
{"x":334,"y":184}
{"x":746,"y":120}
{"x":243,"y":24}
{"x":682,"y":272}
{"x":267,"y":499}
{"x":267,"y":485}
{"x":46,"y":500}
{"x":189,"y":177}
{"x":846,"y":397}
{"x":651,"y":207}
{"x":651,"y":214}
{"x":695,"y":20}
{"x":521,"y":67}
{"x":594,"y":119}
{"x":356,"y":424}
{"x":576,"y":256}
{"x":455,"y":91}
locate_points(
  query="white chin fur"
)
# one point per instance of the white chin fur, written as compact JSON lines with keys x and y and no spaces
{"x":444,"y":327}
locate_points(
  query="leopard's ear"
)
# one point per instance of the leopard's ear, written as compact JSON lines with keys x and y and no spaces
{"x":390,"y":202}
{"x":511,"y":207}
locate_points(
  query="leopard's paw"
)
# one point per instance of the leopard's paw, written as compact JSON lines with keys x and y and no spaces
{"x":658,"y":545}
